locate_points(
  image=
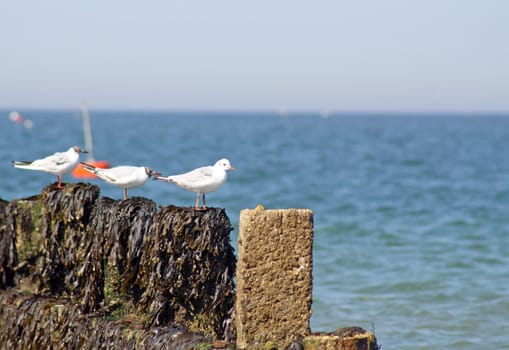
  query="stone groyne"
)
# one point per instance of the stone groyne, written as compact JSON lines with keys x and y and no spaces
{"x":80,"y":271}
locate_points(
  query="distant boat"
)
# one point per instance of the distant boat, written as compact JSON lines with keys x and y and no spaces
{"x":79,"y":172}
{"x":281,"y":112}
{"x":325,"y":113}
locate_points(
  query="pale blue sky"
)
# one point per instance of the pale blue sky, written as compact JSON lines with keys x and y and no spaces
{"x":379,"y":55}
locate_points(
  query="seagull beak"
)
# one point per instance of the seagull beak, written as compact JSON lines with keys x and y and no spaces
{"x":231,"y":167}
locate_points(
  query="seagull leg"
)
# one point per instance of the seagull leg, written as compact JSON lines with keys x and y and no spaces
{"x":59,"y":185}
{"x":204,"y":207}
{"x":197,"y":201}
{"x":125,"y":193}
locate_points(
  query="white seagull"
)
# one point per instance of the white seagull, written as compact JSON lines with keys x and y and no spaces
{"x":202,"y":180}
{"x":57,"y":164}
{"x":124,"y":176}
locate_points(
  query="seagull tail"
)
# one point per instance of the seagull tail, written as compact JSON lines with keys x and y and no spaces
{"x":22,"y":164}
{"x":163,"y":178}
{"x":89,"y":167}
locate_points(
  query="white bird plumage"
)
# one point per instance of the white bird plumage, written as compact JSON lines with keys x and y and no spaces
{"x":57,"y":164}
{"x":201,"y":180}
{"x":124,"y":176}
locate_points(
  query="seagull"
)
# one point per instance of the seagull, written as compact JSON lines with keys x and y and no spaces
{"x":124,"y":176}
{"x":57,"y":164}
{"x":201,"y":180}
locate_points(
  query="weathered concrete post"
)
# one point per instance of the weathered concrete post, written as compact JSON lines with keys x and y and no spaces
{"x":274,"y":277}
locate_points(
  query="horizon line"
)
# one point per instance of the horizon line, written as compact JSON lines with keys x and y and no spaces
{"x":282,"y":112}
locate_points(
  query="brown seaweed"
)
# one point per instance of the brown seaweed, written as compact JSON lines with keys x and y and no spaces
{"x":112,"y":262}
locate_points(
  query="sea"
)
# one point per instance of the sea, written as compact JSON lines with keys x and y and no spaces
{"x":411,"y":212}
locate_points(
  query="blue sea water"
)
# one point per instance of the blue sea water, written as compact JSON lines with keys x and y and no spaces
{"x":411,"y":213}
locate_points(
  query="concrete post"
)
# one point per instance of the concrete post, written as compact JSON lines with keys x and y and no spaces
{"x":274,"y":277}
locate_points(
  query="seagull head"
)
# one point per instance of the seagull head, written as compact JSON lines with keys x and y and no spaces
{"x":78,"y":150}
{"x":224,"y":164}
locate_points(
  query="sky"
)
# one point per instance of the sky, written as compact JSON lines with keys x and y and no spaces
{"x":359,"y":56}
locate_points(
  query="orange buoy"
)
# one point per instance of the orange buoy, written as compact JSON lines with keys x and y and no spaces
{"x":81,"y":173}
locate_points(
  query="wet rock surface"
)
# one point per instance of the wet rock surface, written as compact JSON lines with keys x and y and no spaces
{"x":126,"y":273}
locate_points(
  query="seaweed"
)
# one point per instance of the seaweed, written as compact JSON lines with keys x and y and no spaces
{"x":137,"y":270}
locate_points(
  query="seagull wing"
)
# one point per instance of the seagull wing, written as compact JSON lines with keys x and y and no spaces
{"x":52,"y":162}
{"x":194,"y":179}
